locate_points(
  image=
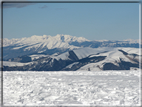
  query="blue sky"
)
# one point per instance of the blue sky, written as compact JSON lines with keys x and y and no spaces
{"x":94,"y":21}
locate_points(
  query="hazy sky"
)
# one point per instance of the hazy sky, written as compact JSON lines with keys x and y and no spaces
{"x":94,"y":21}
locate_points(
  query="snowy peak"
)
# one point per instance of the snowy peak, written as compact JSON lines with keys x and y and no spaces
{"x":44,"y":38}
{"x":53,"y":44}
{"x":35,"y":44}
{"x":68,"y":38}
{"x":45,"y":41}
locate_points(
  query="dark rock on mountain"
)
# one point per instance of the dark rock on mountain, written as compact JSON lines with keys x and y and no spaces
{"x":23,"y":59}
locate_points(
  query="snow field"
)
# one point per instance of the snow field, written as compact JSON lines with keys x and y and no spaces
{"x":105,"y":88}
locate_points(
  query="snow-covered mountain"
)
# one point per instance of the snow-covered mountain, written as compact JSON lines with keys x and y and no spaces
{"x":58,"y":41}
{"x":52,"y":44}
{"x":38,"y":44}
{"x":78,"y":59}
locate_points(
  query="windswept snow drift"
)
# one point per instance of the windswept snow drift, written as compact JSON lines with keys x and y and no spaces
{"x":107,"y":88}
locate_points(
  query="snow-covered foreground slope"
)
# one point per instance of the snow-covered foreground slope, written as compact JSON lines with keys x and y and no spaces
{"x":71,"y":88}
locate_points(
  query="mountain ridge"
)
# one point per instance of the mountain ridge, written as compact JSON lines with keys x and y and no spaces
{"x":91,"y":59}
{"x":64,"y":38}
{"x":52,"y":44}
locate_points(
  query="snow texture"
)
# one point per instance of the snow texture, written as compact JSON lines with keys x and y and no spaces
{"x":100,"y":88}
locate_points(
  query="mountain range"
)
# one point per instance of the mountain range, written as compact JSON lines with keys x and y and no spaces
{"x":87,"y":58}
{"x":52,"y":44}
{"x":69,"y":53}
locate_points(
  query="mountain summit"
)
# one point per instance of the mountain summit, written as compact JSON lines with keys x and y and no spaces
{"x":47,"y":39}
{"x":60,"y":43}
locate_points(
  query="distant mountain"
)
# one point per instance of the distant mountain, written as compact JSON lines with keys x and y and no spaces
{"x":38,"y":44}
{"x":90,"y":59}
{"x":14,"y":48}
{"x":58,"y":41}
